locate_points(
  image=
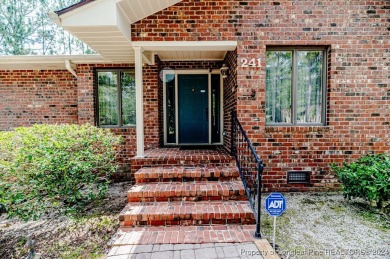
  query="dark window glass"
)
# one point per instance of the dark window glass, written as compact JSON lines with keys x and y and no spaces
{"x":295,"y":87}
{"x":170,"y":106}
{"x":215,"y":109}
{"x":309,"y":87}
{"x":128,"y":99}
{"x":116,"y":98}
{"x":279,"y":74}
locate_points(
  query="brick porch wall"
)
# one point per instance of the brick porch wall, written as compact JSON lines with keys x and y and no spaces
{"x":87,"y":102}
{"x":34,"y":97}
{"x":229,"y":95}
{"x":55,"y":96}
{"x":358,"y":112}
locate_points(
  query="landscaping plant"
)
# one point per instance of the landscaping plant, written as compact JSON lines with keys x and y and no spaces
{"x":367,"y":178}
{"x":54,"y":168}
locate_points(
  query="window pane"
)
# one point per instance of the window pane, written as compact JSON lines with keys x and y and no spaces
{"x":170,"y":106}
{"x":108,"y":98}
{"x":128,"y":98}
{"x":278,"y":87}
{"x":309,"y":87}
{"x":215,"y":108}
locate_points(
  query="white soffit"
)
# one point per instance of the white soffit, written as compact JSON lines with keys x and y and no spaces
{"x":56,"y":62}
{"x":105,"y":25}
{"x":187,"y":50}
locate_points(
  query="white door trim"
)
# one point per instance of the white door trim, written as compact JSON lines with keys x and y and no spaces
{"x":191,"y":72}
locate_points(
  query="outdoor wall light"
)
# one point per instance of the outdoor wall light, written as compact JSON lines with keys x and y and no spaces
{"x":224,"y":71}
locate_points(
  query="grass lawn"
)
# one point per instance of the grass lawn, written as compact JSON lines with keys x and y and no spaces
{"x":325,"y":225}
{"x":79,"y":236}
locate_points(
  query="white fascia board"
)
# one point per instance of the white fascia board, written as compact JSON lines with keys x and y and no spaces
{"x":186,"y":45}
{"x":123,"y":23}
{"x":42,"y":59}
{"x":81,"y":8}
{"x":192,"y":59}
{"x":98,"y":13}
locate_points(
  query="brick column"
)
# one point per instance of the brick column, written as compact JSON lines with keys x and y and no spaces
{"x":85,"y":94}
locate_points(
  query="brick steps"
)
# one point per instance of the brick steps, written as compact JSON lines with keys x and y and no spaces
{"x":187,"y":191}
{"x":187,"y":213}
{"x":185,"y":197}
{"x":187,"y":173}
{"x":185,"y":160}
{"x":184,"y":235}
{"x":176,"y":157}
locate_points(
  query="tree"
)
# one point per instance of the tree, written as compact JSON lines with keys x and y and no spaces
{"x":25,"y":28}
{"x":17,"y":26}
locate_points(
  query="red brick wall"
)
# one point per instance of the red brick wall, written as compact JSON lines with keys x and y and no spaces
{"x":34,"y":97}
{"x":87,"y":114}
{"x":191,"y":20}
{"x":55,"y":96}
{"x":229,"y":95}
{"x":358,"y":112}
{"x":358,"y":99}
{"x":86,"y":99}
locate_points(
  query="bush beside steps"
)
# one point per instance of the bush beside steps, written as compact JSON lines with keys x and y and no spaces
{"x":54,"y":168}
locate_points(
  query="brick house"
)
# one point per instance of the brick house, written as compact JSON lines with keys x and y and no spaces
{"x":309,"y":80}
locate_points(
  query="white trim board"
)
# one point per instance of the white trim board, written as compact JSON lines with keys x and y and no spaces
{"x":192,"y":72}
{"x":186,"y":45}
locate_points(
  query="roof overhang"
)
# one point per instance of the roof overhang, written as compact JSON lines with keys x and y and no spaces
{"x":167,"y":51}
{"x":186,"y":50}
{"x":105,"y":25}
{"x":56,"y":62}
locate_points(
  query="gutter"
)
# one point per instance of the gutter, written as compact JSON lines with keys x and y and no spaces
{"x":68,"y":66}
{"x":73,"y":7}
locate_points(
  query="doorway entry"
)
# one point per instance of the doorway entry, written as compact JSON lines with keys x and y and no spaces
{"x":192,"y":108}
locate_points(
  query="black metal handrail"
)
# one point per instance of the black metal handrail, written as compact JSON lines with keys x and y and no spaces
{"x":250,"y":167}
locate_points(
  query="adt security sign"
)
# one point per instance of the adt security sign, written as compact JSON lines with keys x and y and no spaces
{"x":275,"y":204}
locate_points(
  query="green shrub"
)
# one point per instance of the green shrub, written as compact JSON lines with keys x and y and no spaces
{"x":54,"y":168}
{"x":367,"y":178}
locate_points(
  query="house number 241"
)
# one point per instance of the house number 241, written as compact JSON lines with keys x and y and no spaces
{"x":254,"y":62}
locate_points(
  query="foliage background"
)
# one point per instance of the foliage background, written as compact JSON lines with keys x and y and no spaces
{"x":26,"y":29}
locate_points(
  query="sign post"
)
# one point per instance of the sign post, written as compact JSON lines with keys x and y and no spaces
{"x":275,"y":204}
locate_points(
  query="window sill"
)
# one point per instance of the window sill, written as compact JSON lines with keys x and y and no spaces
{"x":117,"y":127}
{"x":296,"y":128}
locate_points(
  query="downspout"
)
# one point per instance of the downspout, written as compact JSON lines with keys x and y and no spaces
{"x":69,"y":68}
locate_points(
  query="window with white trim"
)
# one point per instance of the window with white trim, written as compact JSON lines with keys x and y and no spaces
{"x":295,"y":86}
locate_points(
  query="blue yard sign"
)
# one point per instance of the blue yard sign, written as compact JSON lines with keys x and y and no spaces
{"x":275,"y":204}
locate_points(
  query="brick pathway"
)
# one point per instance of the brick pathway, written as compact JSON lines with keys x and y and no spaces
{"x":185,"y":235}
{"x":186,"y":251}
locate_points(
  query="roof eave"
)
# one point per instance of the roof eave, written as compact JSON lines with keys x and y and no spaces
{"x":73,"y":7}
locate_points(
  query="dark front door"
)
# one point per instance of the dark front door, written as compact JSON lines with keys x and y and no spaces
{"x":193,"y":109}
